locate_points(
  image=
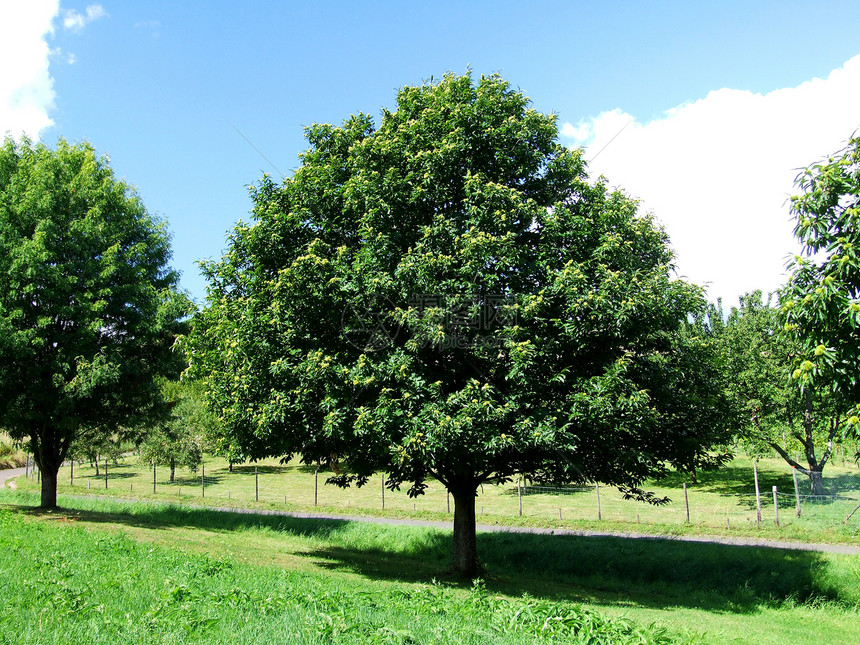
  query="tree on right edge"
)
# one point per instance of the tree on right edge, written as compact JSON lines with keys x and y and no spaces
{"x":821,"y":302}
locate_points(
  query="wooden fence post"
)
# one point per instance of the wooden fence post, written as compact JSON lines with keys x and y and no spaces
{"x":796,"y":492}
{"x":775,"y":507}
{"x":687,"y":502}
{"x":256,"y":484}
{"x":757,"y":494}
{"x":520,"y":494}
{"x":597,"y":490}
{"x":316,"y":485}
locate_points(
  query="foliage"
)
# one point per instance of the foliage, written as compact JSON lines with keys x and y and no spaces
{"x":448,"y":297}
{"x":88,"y":307}
{"x":821,"y":302}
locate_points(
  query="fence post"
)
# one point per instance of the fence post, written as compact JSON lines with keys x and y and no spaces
{"x":520,"y":494}
{"x":203,"y":480}
{"x":448,"y":497}
{"x":27,"y":465}
{"x":256,"y":484}
{"x":757,"y":494}
{"x":153,"y":477}
{"x":106,"y":465}
{"x":687,"y":502}
{"x":597,"y":490}
{"x":72,"y":472}
{"x":796,"y":493}
{"x":383,"y":492}
{"x":316,"y":485}
{"x":775,"y":507}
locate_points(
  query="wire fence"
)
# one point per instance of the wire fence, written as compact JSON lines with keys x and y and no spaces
{"x":782,"y":502}
{"x":728,"y":500}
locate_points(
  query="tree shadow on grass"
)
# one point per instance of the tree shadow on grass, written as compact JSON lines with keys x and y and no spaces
{"x":648,"y":572}
{"x":262,"y":470}
{"x":191,"y":480}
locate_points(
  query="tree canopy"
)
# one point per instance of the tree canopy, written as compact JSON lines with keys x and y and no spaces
{"x":449,"y":297}
{"x":89,"y":308}
{"x":821,"y":302}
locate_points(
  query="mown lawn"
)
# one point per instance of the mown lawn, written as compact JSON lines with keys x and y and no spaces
{"x":171,"y":574}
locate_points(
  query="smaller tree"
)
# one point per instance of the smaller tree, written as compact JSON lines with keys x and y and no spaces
{"x":89,"y":309}
{"x":93,"y":445}
{"x":180,"y":439}
{"x":777,"y":416}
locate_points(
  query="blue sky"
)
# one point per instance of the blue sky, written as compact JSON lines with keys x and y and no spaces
{"x":717,"y":103}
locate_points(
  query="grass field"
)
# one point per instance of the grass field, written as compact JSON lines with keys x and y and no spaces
{"x":101,"y":571}
{"x":721,"y":503}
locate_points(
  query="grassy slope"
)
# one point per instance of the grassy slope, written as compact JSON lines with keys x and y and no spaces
{"x":66,"y":584}
{"x":740,"y":594}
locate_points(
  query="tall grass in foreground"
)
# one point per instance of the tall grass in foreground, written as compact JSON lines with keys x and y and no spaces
{"x":722,"y":592}
{"x":64,"y":584}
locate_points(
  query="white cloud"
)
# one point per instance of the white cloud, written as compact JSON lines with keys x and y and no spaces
{"x":26,"y":86}
{"x":717,"y":172}
{"x":76,"y":21}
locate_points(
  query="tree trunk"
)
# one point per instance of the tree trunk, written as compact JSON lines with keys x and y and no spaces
{"x":465,"y":561}
{"x":816,"y":477}
{"x":49,"y":487}
{"x":49,"y":451}
{"x":96,"y":464}
{"x":172,"y":469}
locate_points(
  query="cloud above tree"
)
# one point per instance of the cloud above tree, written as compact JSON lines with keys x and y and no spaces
{"x":718,"y":171}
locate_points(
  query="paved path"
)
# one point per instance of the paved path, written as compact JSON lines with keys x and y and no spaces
{"x":8,"y":474}
{"x":492,"y":528}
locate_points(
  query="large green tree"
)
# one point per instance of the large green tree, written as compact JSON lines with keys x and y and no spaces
{"x":821,"y":302}
{"x":89,"y":309}
{"x":448,"y":297}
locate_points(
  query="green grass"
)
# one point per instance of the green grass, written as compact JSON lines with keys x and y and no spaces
{"x":721,"y":503}
{"x":163,"y":573}
{"x":64,"y":583}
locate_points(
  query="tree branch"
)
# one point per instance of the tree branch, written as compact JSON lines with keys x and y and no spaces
{"x":788,"y":459}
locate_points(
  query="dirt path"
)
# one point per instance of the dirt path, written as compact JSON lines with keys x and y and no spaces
{"x":494,"y":528}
